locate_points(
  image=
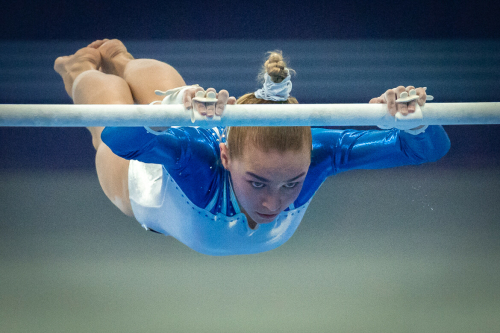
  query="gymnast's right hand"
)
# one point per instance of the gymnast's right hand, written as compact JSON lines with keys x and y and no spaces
{"x":210,"y":107}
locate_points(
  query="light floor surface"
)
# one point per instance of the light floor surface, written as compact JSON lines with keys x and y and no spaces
{"x":414,"y":249}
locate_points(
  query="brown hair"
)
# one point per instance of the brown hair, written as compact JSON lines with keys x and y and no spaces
{"x":266,"y":138}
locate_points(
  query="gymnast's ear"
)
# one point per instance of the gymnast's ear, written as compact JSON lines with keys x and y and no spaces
{"x":224,"y":155}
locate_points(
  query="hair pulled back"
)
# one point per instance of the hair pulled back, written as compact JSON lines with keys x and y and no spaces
{"x":275,"y":67}
{"x":279,"y":138}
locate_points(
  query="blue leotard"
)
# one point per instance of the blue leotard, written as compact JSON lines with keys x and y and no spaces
{"x":191,"y":155}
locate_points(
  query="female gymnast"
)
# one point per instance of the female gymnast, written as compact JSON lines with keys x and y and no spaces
{"x":225,"y":191}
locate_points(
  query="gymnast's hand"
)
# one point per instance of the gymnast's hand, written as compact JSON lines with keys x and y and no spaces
{"x":207,"y":104}
{"x":391,"y":96}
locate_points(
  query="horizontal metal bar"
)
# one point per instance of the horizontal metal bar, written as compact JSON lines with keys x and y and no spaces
{"x":43,"y":115}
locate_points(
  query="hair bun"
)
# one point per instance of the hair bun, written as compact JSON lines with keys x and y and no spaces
{"x":275,"y":67}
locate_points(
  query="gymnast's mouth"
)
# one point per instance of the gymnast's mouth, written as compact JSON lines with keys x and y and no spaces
{"x":268,"y":217}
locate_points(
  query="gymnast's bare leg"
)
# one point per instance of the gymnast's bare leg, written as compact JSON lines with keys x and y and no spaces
{"x":143,"y":76}
{"x":85,"y":84}
{"x":121,"y":79}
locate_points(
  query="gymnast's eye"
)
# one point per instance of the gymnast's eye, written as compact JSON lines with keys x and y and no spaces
{"x":257,"y":184}
{"x":290,"y":185}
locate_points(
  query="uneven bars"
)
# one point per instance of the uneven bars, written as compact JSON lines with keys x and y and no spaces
{"x":45,"y":115}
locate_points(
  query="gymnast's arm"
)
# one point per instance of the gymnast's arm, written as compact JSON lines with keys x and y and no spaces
{"x":167,"y":146}
{"x":163,"y":145}
{"x":136,"y":143}
{"x":376,"y":149}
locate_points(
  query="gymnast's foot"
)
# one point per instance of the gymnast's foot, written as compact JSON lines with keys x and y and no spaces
{"x":114,"y":56}
{"x":69,"y":67}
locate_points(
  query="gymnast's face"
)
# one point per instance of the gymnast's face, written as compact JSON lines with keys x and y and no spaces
{"x":266,"y":183}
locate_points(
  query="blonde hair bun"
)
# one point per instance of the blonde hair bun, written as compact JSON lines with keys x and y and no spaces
{"x":275,"y":67}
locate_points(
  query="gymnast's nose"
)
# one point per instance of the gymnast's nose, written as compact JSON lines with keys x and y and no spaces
{"x":272,"y":202}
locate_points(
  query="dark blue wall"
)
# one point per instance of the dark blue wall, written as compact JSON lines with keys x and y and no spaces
{"x":195,"y":19}
{"x":343,"y":52}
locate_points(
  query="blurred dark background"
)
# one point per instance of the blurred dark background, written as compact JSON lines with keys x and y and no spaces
{"x":412,"y":249}
{"x":199,"y":20}
{"x":343,"y":52}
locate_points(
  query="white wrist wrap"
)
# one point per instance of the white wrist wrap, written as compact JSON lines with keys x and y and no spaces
{"x":172,"y":96}
{"x":407,"y":123}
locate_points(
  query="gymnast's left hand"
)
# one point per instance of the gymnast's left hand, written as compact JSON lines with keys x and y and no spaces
{"x":391,"y":96}
{"x":209,"y":109}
